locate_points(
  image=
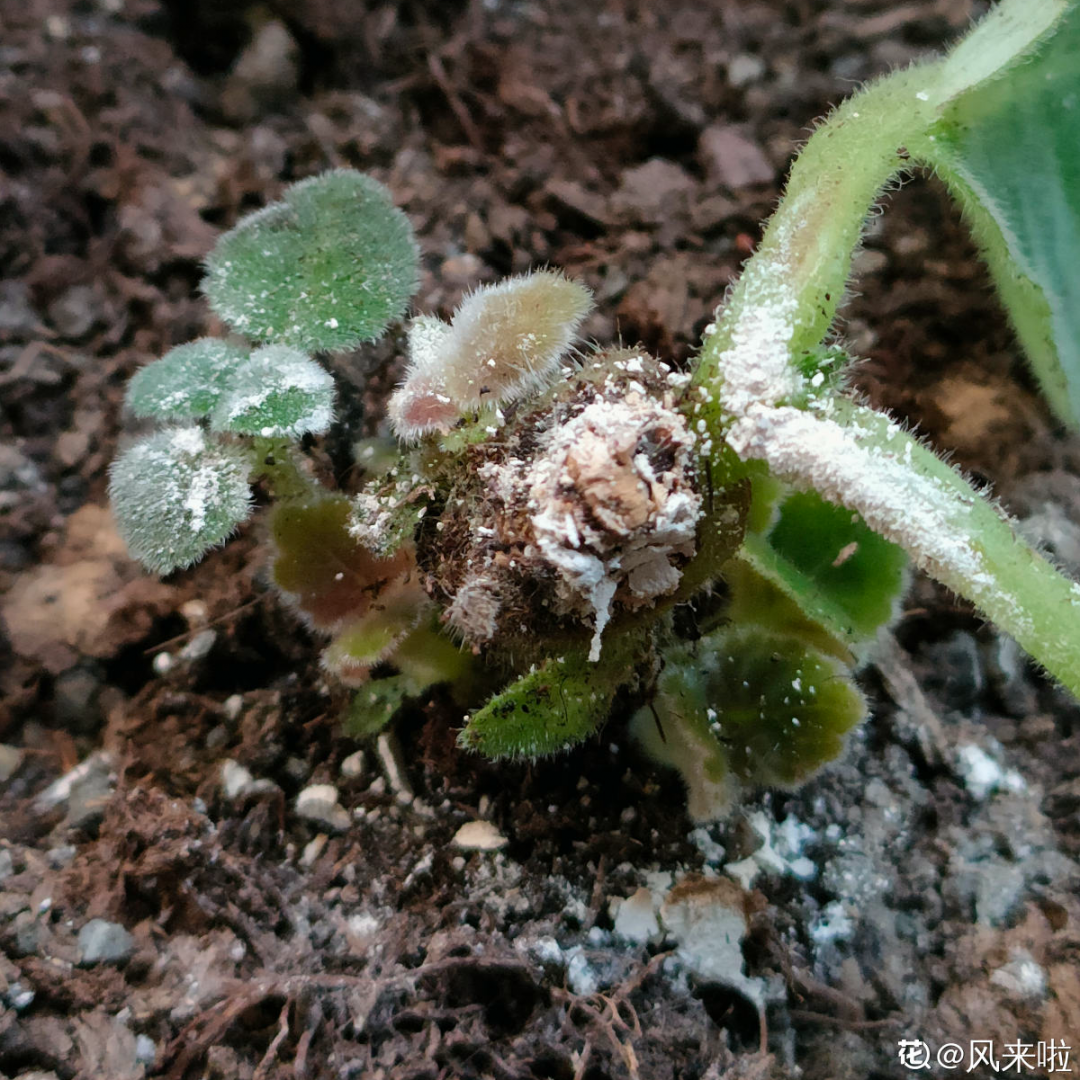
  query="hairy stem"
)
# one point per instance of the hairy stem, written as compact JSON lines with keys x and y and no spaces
{"x":277,"y":463}
{"x":908,"y":494}
{"x":750,"y":396}
{"x":787,"y":296}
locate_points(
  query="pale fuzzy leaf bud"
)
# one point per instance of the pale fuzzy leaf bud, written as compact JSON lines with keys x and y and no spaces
{"x":421,"y":404}
{"x":505,"y":341}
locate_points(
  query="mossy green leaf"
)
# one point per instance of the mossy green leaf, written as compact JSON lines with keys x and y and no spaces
{"x":328,"y":267}
{"x":175,"y":494}
{"x":561,"y":703}
{"x":186,"y":382}
{"x":838,"y":572}
{"x":745,"y":706}
{"x":277,"y":392}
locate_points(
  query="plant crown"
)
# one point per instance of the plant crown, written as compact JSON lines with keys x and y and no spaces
{"x":549,"y":512}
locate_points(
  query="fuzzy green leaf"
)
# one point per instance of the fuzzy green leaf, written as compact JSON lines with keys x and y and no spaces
{"x":175,"y":495}
{"x":747,"y":706}
{"x":277,"y":392}
{"x":559,"y":704}
{"x":1009,"y":148}
{"x":186,"y":382}
{"x":329,"y":267}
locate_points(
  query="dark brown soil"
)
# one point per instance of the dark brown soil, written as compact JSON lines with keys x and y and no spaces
{"x":914,"y":890}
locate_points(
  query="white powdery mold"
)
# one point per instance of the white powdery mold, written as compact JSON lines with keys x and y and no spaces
{"x":911,"y":509}
{"x":276,"y":392}
{"x":370,"y":519}
{"x":756,"y":366}
{"x":428,"y":338}
{"x":850,"y":463}
{"x":600,"y":514}
{"x":983,"y":776}
{"x":174,"y":495}
{"x":474,"y":611}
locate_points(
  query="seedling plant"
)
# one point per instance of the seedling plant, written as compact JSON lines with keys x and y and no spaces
{"x":548,"y":514}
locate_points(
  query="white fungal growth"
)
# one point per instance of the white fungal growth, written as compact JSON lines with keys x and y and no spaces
{"x":175,"y":494}
{"x":277,"y":391}
{"x":474,"y":611}
{"x":603,"y":516}
{"x":906,"y":507}
{"x":427,"y":342}
{"x":504,"y":341}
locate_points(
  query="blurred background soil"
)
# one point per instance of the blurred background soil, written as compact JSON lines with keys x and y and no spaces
{"x":178,"y":895}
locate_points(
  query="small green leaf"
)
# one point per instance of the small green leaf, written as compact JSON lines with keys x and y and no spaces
{"x":1009,"y":148}
{"x":175,"y":495}
{"x":745,"y":706}
{"x":845,"y":560}
{"x":364,"y":643}
{"x":329,"y":267}
{"x":374,"y":705}
{"x":186,"y":382}
{"x":277,"y":392}
{"x":560,"y":703}
{"x":838,"y":572}
{"x":428,"y":657}
{"x":424,"y":657}
{"x":395,"y":612}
